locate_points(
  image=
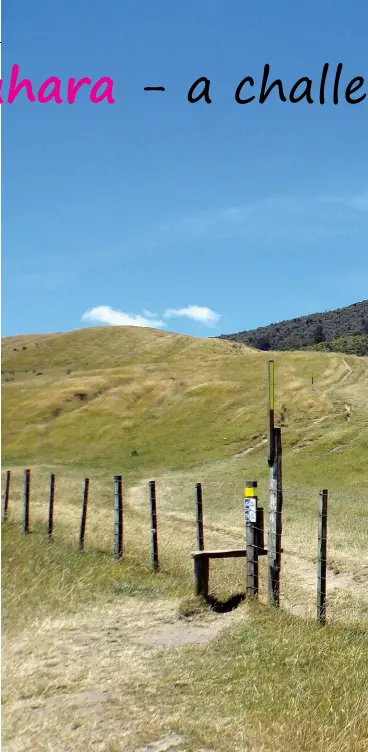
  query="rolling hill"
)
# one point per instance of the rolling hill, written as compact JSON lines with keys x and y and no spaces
{"x":108,"y":653}
{"x":144,"y":398}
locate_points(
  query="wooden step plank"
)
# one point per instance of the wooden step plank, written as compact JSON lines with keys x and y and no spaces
{"x":224,"y":554}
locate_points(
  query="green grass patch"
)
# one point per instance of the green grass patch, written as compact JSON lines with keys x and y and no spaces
{"x":275,"y":683}
{"x":41,"y":579}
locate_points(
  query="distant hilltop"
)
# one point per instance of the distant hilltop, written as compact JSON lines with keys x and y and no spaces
{"x":343,"y":330}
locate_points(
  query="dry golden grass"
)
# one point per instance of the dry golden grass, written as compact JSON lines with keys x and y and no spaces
{"x":113,"y":672}
{"x":95,"y":396}
{"x":95,"y":652}
{"x":222,"y":494}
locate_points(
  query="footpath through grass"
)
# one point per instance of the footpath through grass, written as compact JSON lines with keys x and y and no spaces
{"x":155,"y":405}
{"x":272,"y":682}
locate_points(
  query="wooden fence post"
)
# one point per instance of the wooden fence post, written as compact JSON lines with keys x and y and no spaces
{"x":6,"y":495}
{"x":199,"y":517}
{"x":275,"y":522}
{"x":118,"y":516}
{"x":51,"y":506}
{"x":84,"y":515}
{"x":250,"y":513}
{"x":201,"y":576}
{"x":26,"y":496}
{"x":154,"y":542}
{"x":322,"y":557}
{"x":260,"y":528}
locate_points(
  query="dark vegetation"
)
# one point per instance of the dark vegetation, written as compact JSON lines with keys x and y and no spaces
{"x":344,"y":330}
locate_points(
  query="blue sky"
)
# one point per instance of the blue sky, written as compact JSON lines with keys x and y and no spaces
{"x":202,"y":219}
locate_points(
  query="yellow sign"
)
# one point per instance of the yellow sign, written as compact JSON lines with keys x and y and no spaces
{"x":250,"y":492}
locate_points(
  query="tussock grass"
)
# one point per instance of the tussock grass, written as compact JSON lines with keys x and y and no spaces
{"x":75,"y":625}
{"x":102,"y":394}
{"x":42,"y":580}
{"x":274,"y":683}
{"x":223,"y":527}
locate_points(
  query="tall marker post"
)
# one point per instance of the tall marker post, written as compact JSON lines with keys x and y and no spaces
{"x":275,"y":494}
{"x":271,"y":411}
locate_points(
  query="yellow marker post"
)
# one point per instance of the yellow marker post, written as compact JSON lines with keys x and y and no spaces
{"x":251,"y":491}
{"x":271,"y":411}
{"x":250,"y":515}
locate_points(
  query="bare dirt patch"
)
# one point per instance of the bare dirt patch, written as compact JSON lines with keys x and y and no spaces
{"x":198,"y":631}
{"x":85,"y":682}
{"x":306,"y":572}
{"x":168,"y":744}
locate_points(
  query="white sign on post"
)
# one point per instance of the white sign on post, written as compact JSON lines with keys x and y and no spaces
{"x":250,"y":510}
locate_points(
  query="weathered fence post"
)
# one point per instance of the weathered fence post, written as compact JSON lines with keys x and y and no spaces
{"x":84,"y":515}
{"x":6,"y":494}
{"x":26,"y":496}
{"x":260,"y":528}
{"x":201,"y":576}
{"x":51,"y":506}
{"x":118,"y":516}
{"x":199,"y":517}
{"x":322,"y":557}
{"x":275,"y":522}
{"x":154,"y":543}
{"x":250,"y":513}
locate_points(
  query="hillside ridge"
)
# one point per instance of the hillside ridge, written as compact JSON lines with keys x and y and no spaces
{"x":340,"y":330}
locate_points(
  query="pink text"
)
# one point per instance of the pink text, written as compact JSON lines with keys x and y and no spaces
{"x":50,"y":89}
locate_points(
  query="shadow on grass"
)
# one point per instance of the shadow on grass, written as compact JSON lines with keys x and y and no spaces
{"x":223,"y":607}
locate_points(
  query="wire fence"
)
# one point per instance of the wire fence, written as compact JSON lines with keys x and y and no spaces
{"x":164,"y":522}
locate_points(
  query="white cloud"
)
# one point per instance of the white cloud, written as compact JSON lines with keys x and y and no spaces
{"x":107,"y":315}
{"x":202,"y":314}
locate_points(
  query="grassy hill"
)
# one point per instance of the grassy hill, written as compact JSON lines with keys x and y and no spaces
{"x":150,"y":404}
{"x":142,"y":399}
{"x":344,"y":330}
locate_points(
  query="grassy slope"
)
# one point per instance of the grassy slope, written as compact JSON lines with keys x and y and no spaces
{"x":188,"y":406}
{"x":177,"y":401}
